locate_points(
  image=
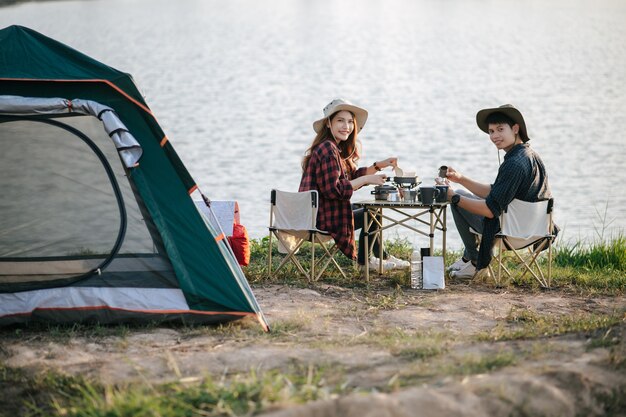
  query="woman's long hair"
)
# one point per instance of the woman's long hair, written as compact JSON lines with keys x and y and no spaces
{"x":348,"y":149}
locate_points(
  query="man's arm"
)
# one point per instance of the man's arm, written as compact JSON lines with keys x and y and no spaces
{"x":477,"y":188}
{"x":475,"y":206}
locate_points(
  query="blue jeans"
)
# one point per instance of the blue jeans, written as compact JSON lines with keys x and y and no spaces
{"x":464,"y":220}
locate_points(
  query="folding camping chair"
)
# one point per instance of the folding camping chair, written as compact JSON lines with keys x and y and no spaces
{"x":525,"y":225}
{"x":293,"y":218}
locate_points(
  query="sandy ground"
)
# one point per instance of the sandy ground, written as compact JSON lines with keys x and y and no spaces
{"x":345,"y":329}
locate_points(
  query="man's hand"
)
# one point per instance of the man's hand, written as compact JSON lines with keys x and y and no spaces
{"x":454,"y":175}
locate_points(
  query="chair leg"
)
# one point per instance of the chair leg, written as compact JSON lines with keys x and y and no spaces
{"x":533,"y":262}
{"x":549,"y":261}
{"x":529,"y":268}
{"x":318,"y":266}
{"x":269,"y":257}
{"x":330,"y":257}
{"x":481,"y":274}
{"x":498,"y":280}
{"x":326,"y":259}
{"x":312,"y":276}
{"x":291,"y":256}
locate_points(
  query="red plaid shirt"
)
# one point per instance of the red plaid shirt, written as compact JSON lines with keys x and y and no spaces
{"x":330,"y":176}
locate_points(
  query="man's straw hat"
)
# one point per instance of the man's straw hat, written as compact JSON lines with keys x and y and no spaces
{"x":508,"y":110}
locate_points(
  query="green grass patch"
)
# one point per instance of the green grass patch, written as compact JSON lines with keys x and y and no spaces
{"x":408,"y":345}
{"x":237,"y":395}
{"x":378,"y":301}
{"x":599,"y":268}
{"x":527,"y":324}
{"x":599,"y":255}
{"x":66,"y":332}
{"x":603,"y":340}
{"x":289,"y":327}
{"x":472,"y":364}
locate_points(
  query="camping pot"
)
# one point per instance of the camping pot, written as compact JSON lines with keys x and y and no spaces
{"x":382,"y":192}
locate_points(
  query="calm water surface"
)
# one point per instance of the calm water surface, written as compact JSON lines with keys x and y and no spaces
{"x":236,"y":85}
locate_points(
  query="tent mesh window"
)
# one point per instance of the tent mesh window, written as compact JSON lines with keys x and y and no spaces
{"x":68,"y":213}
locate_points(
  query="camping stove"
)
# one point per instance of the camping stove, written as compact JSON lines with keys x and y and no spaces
{"x":406,"y":183}
{"x":405,"y":186}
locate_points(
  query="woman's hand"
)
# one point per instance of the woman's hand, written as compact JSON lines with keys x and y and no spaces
{"x":389,"y":162}
{"x":375,"y":179}
{"x":371,"y":179}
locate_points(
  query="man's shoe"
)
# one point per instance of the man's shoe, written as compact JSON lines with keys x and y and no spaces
{"x":400,"y":264}
{"x":467,"y":272}
{"x":458,"y":265}
{"x":387,"y":265}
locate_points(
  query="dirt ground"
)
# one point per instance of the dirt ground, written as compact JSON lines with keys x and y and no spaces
{"x":357,"y":332}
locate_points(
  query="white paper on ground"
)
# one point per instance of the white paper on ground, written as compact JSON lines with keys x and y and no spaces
{"x":432,"y":270}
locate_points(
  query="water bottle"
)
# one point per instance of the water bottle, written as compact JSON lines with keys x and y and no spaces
{"x":416,"y":270}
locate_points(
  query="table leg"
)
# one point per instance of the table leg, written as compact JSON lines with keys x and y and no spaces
{"x":444,"y":230}
{"x":432,"y":231}
{"x":380,"y":244}
{"x":367,"y":246}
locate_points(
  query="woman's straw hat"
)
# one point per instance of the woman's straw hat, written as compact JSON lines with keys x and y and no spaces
{"x":508,"y":110}
{"x":339,"y":104}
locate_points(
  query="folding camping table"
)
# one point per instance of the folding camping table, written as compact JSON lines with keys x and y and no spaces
{"x":428,"y":219}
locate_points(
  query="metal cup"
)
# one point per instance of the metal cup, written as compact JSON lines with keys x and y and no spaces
{"x":409,"y":196}
{"x":443,"y":171}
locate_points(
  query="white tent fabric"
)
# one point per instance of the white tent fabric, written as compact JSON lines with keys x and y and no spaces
{"x":148,"y":300}
{"x":129,"y":149}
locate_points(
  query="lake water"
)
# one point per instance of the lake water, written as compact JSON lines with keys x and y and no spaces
{"x":236,"y":85}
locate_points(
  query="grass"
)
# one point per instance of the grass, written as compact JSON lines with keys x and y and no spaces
{"x":407,"y":345}
{"x":587,"y":269}
{"x":527,"y":324}
{"x":599,"y":255}
{"x":472,"y":364}
{"x":64,"y":332}
{"x":591,"y":269}
{"x":50,"y":393}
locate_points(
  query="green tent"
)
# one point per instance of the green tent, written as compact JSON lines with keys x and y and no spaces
{"x":97,"y":217}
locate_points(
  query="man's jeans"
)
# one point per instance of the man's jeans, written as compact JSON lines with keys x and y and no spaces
{"x":464,"y":220}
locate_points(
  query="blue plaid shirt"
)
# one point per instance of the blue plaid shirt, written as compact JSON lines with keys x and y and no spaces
{"x":522,"y":175}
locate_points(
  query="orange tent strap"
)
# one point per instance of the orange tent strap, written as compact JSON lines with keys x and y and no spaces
{"x":164,"y":141}
{"x":109,"y":83}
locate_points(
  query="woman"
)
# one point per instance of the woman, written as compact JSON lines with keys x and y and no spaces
{"x":330,"y":167}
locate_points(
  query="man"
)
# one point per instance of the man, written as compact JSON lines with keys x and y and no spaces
{"x":521,"y":175}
